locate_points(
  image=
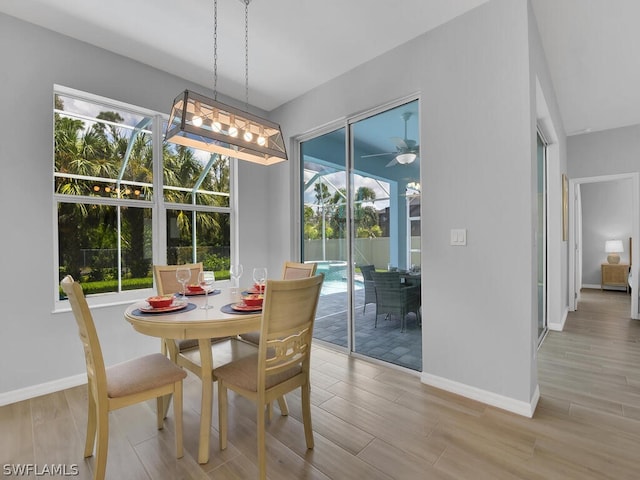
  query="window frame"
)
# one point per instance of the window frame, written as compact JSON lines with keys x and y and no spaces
{"x":157,"y":203}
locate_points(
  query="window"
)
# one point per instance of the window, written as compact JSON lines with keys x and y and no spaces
{"x":111,"y":226}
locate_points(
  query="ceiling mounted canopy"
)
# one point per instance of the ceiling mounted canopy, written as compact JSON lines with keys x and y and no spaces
{"x":204,"y":123}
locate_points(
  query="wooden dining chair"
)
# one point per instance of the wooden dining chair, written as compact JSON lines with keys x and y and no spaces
{"x":167,"y":284}
{"x":293,"y":270}
{"x":290,"y":271}
{"x":121,"y":385}
{"x":186,"y":353}
{"x":280,"y":363}
{"x":165,"y":277}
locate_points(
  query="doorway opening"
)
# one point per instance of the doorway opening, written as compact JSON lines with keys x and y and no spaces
{"x":578,"y":266}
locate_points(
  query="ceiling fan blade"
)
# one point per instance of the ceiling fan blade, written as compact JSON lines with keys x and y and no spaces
{"x":377,"y":154}
{"x":392,"y":163}
{"x":400,"y":143}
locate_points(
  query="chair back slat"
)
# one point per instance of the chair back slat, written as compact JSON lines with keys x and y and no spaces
{"x":165,"y":276}
{"x":293,"y":270}
{"x":288,"y":317}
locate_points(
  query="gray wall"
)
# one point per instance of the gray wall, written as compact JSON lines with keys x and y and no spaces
{"x":477,"y":118}
{"x":604,"y":153}
{"x":40,"y":346}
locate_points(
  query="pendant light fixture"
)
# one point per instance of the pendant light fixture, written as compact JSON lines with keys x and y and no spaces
{"x":205,"y":123}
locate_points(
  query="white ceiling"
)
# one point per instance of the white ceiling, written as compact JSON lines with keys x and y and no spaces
{"x":592,"y":46}
{"x":593,"y":52}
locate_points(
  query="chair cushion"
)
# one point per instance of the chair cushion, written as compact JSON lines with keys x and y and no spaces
{"x":142,"y":374}
{"x":252,"y":337}
{"x":244,"y":374}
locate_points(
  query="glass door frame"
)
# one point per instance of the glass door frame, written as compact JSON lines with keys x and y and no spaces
{"x":543,"y":235}
{"x":297,"y":204}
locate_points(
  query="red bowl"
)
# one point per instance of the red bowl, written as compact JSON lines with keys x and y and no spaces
{"x":160,"y":301}
{"x":253,"y":300}
{"x":195,"y":288}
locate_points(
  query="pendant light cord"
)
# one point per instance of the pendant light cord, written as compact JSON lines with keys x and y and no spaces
{"x":246,"y":54}
{"x":215,"y":50}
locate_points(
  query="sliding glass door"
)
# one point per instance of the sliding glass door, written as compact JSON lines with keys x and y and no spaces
{"x":360,"y":197}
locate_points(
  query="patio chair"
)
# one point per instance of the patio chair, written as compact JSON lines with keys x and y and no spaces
{"x":281,"y":361}
{"x":121,"y":385}
{"x":369,"y":287}
{"x":394,"y":298}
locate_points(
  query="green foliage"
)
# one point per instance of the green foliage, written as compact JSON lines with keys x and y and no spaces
{"x":90,"y":234}
{"x":220,"y":265}
{"x":108,"y":286}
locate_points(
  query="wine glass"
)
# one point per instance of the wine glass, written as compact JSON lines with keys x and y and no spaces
{"x":260,"y":277}
{"x":236,"y":272}
{"x":183,"y":275}
{"x":206,"y":280}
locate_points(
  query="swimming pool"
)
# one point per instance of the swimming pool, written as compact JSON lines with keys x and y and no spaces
{"x":335,"y":276}
{"x":338,"y":286}
{"x":332,"y":269}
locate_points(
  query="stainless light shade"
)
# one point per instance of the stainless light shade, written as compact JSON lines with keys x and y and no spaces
{"x":204,"y":123}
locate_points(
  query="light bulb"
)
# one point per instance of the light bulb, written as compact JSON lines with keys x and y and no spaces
{"x":262,"y":141}
{"x":233,"y":131}
{"x":197,"y":121}
{"x":248,"y":136}
{"x":216,"y":126}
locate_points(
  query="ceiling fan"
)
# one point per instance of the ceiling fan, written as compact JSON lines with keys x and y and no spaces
{"x":406,"y":150}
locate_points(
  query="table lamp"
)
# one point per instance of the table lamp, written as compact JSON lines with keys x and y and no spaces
{"x":613,"y":248}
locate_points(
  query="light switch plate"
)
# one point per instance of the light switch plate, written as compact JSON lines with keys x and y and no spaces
{"x":459,"y":237}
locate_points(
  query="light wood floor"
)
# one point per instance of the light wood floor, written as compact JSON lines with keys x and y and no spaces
{"x":372,"y":422}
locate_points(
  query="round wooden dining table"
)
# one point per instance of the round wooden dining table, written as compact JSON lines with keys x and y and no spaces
{"x":193,"y":322}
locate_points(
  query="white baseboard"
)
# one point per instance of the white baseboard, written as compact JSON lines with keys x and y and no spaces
{"x":558,"y":327}
{"x":42,"y":389}
{"x":500,"y":401}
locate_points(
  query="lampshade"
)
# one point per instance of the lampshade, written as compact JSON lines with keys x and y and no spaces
{"x":405,"y":158}
{"x":204,"y":123}
{"x":613,"y":246}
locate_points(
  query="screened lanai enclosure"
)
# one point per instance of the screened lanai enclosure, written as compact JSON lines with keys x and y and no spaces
{"x":360,"y":208}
